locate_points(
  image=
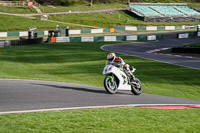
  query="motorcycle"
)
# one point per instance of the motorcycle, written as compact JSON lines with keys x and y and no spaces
{"x":116,"y":79}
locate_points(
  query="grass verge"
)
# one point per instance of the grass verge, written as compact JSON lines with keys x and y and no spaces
{"x":194,"y":45}
{"x":110,"y":20}
{"x":83,"y":63}
{"x":15,"y":23}
{"x":117,"y":120}
{"x":17,"y":9}
{"x":81,"y":7}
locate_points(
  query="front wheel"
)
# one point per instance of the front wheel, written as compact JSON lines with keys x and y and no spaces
{"x":110,"y":85}
{"x":136,"y":87}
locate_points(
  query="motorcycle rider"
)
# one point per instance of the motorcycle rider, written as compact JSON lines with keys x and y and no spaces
{"x":119,"y":62}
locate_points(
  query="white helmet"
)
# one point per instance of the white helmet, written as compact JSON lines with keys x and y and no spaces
{"x":111,"y":56}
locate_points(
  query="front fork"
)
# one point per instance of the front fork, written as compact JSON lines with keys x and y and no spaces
{"x":130,"y":75}
{"x":111,"y":78}
{"x":134,"y":82}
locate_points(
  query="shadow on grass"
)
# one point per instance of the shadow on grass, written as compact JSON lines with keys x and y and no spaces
{"x":52,"y":53}
{"x":87,"y":58}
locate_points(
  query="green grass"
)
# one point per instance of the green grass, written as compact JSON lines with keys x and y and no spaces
{"x":83,"y":63}
{"x":107,"y":20}
{"x":17,"y":9}
{"x":110,"y":20}
{"x":193,"y":45}
{"x":117,"y":120}
{"x":15,"y":23}
{"x":81,"y":7}
{"x":194,"y":5}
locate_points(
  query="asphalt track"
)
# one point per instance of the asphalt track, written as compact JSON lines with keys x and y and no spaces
{"x":32,"y":95}
{"x":141,"y":50}
{"x":18,"y":95}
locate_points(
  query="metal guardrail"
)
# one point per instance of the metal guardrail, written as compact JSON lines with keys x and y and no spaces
{"x":9,"y":43}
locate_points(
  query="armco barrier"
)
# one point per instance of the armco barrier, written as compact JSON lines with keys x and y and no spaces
{"x":155,"y":28}
{"x":20,"y":42}
{"x":110,"y":38}
{"x":4,"y":44}
{"x":121,"y":38}
{"x":104,"y":30}
{"x":99,"y":39}
{"x":75,"y":39}
{"x":188,"y":35}
{"x":71,"y":32}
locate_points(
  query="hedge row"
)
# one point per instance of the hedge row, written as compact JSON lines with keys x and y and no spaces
{"x":186,"y":50}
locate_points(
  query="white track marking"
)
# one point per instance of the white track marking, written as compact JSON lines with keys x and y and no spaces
{"x":94,"y":107}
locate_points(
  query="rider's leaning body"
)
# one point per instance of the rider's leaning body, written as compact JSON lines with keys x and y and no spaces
{"x":119,"y":62}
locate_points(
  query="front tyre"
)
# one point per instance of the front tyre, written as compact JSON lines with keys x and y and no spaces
{"x":136,"y":87}
{"x":110,"y":86}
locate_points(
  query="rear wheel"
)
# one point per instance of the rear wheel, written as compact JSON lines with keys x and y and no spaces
{"x":136,"y":87}
{"x":110,"y":86}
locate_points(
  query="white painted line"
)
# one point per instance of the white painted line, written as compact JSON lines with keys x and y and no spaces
{"x":177,"y":55}
{"x":165,"y":62}
{"x":157,"y":50}
{"x":94,"y":107}
{"x":165,"y":48}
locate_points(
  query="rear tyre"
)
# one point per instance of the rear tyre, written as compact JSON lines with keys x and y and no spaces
{"x":111,"y":87}
{"x":136,"y":89}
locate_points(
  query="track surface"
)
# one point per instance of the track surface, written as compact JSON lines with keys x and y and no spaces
{"x":18,"y":95}
{"x":140,"y":50}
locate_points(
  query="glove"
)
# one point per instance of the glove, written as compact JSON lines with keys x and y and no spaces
{"x":126,"y":67}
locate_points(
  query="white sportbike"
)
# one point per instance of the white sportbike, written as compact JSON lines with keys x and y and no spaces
{"x":117,"y":79}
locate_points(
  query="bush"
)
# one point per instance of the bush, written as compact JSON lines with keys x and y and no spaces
{"x":186,"y":50}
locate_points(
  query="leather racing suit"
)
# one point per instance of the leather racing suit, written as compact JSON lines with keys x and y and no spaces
{"x":119,"y":62}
